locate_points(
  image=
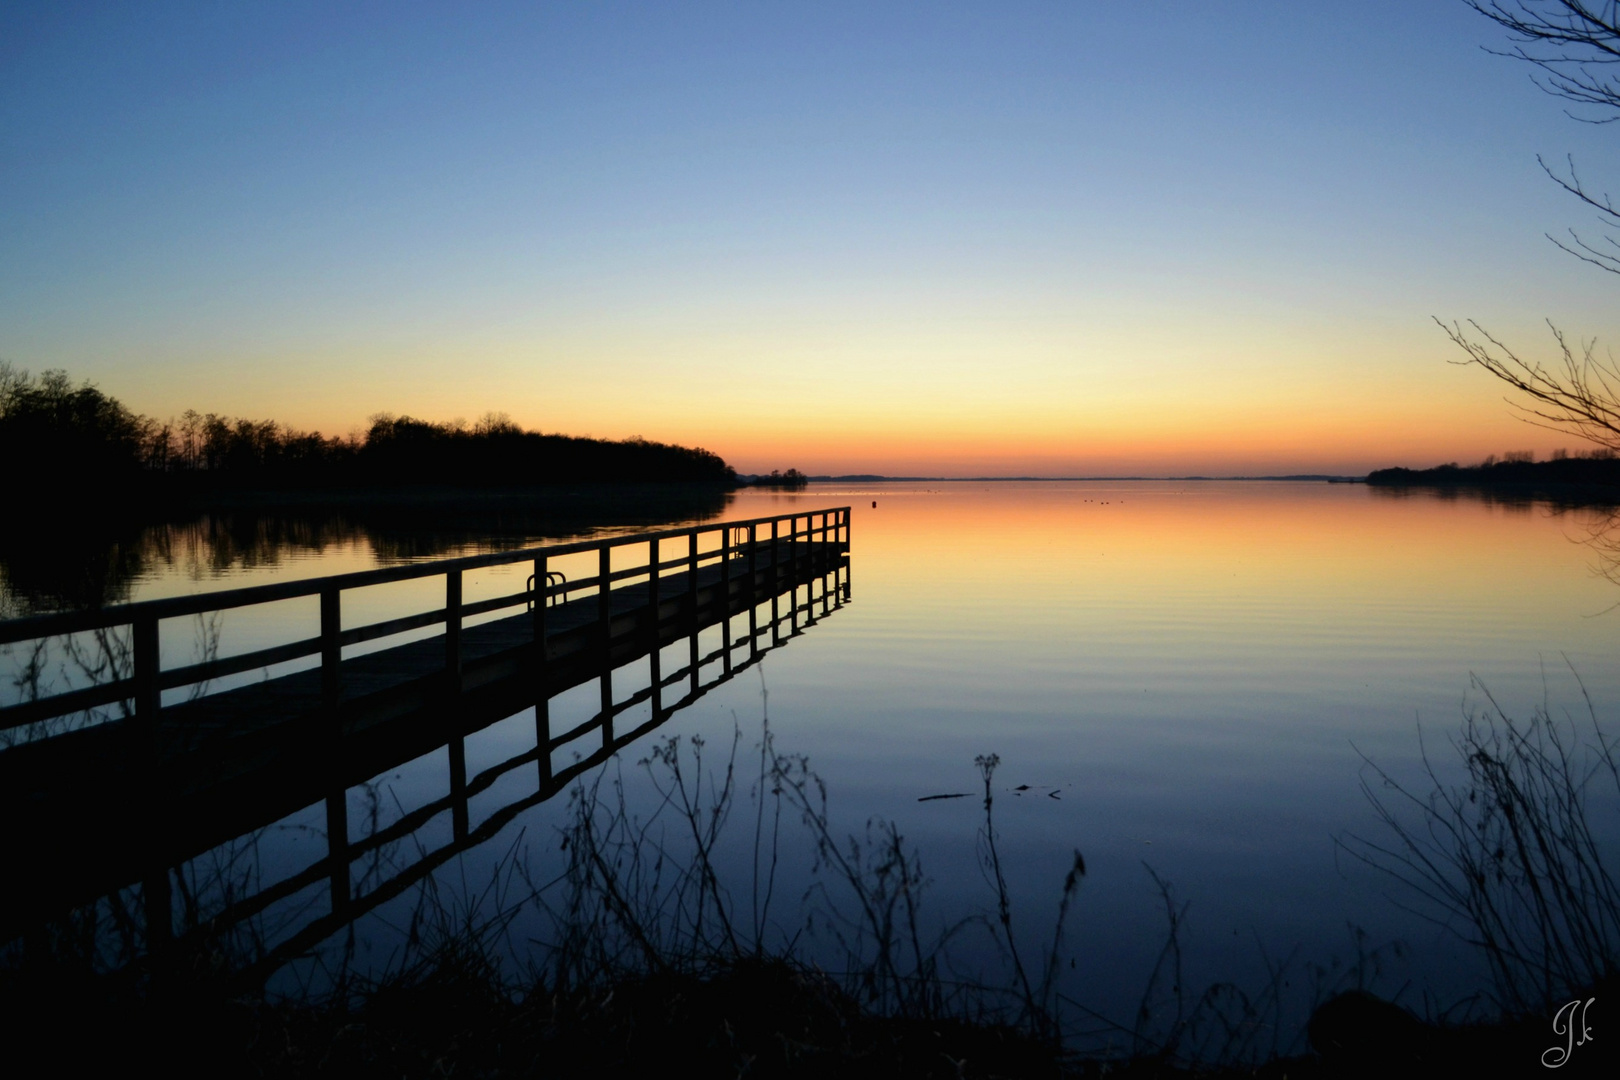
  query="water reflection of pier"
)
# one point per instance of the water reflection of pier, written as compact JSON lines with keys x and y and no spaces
{"x":94,"y":808}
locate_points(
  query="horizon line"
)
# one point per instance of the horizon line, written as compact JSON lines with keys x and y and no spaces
{"x":875,"y":478}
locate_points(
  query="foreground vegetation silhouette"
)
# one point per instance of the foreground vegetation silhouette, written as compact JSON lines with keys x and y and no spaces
{"x":670,"y":941}
{"x":1512,"y":856}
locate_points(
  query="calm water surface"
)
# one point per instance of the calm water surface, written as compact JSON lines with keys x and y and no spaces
{"x":1186,"y":676}
{"x":1196,"y":670}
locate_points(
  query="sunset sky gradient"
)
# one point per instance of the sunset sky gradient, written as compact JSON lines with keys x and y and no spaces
{"x":1074,"y":238}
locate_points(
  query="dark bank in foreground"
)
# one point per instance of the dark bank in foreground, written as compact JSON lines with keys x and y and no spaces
{"x":643,"y":970}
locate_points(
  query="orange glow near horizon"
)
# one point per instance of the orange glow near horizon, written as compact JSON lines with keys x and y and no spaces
{"x":1099,"y":392}
{"x":1415,"y":411}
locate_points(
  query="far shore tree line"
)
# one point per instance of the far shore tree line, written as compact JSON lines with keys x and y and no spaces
{"x":1590,"y":476}
{"x":1528,"y":457}
{"x":56,"y":434}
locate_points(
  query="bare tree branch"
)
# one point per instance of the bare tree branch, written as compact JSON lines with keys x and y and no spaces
{"x":1582,"y":399}
{"x":1603,"y":258}
{"x":1573,"y":43}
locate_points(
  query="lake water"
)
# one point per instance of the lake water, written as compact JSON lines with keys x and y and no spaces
{"x":1184,"y":676}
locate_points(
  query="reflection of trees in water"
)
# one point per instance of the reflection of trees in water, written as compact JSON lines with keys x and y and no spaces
{"x":81,"y":565}
{"x":1595,"y":524}
{"x":1522,"y":498}
{"x":216,"y":544}
{"x":57,"y":564}
{"x":44,"y":569}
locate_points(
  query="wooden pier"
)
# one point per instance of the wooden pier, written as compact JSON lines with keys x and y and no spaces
{"x":108,"y":785}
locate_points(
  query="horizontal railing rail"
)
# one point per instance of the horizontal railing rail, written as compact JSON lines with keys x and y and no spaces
{"x":71,"y":622}
{"x":148,"y":679}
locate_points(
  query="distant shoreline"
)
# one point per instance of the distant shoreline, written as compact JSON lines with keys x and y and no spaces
{"x":877,"y":478}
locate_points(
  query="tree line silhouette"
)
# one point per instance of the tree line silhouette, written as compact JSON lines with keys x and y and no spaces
{"x":57,"y":435}
{"x":1592,"y":477}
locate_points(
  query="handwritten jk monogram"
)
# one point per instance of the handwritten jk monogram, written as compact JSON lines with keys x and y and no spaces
{"x":1567,"y":1022}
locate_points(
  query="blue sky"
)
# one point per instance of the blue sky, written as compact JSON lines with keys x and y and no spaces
{"x":1079,"y":237}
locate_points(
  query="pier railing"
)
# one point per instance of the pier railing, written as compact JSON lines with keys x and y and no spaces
{"x":140,"y":685}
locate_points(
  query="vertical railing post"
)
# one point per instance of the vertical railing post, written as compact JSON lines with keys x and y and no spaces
{"x":653,"y":597}
{"x":331,"y":646}
{"x":542,"y":736}
{"x":692,"y":604}
{"x":337,"y":800}
{"x":812,"y":559}
{"x":793,"y":570}
{"x":655,"y":670}
{"x":776,"y":581}
{"x":458,"y":783}
{"x":604,"y":603}
{"x":826,"y":563}
{"x":604,"y":616}
{"x":156,"y":894}
{"x":542,"y":677}
{"x":542,"y":596}
{"x":148,"y":668}
{"x":725,"y":598}
{"x":753,"y":588}
{"x":810,"y":556}
{"x":817,"y":553}
{"x":452,"y":630}
{"x":337,"y":847}
{"x":156,"y":890}
{"x":849,"y":524}
{"x":692,"y":576}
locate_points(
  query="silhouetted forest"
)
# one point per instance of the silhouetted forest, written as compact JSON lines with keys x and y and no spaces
{"x":1594,"y":477}
{"x":76,"y":439}
{"x":793,"y":478}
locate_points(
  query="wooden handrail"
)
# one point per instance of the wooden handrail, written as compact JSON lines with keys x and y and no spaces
{"x":148,"y":680}
{"x":71,"y":622}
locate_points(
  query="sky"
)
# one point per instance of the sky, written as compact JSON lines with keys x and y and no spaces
{"x":1077,"y":238}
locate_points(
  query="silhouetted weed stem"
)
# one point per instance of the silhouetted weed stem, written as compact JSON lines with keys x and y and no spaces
{"x":95,"y":658}
{"x":1510,"y":858}
{"x":704,"y":824}
{"x":991,"y":857}
{"x":762,"y":896}
{"x":768,"y":781}
{"x":639,"y":901}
